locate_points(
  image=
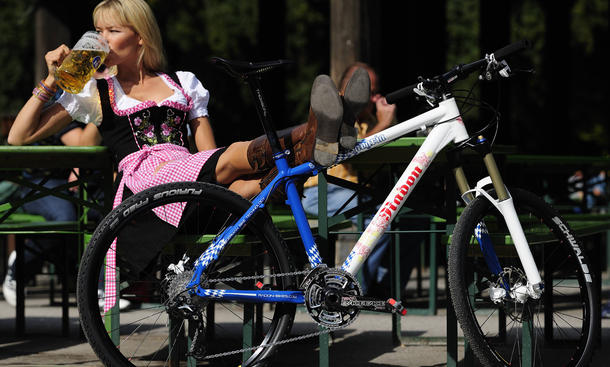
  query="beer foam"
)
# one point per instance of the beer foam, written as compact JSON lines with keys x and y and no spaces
{"x":92,"y":41}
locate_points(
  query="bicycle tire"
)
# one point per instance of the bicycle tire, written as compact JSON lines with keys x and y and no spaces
{"x":148,"y":334}
{"x":562,"y":322}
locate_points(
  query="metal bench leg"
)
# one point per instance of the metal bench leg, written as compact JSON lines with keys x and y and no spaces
{"x":452,"y":333}
{"x":324,"y":350}
{"x":323,"y":244}
{"x":433,"y":286}
{"x":20,"y":283}
{"x":65,"y":296}
{"x":526,"y":341}
{"x":396,"y":287}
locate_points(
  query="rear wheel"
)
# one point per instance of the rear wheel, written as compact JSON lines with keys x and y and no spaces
{"x":164,"y":325}
{"x":555,"y":330}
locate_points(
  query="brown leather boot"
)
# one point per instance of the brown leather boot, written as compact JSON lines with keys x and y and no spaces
{"x":315,"y":140}
{"x":355,"y":97}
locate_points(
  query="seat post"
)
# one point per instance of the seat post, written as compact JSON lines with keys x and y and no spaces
{"x":263,"y":113}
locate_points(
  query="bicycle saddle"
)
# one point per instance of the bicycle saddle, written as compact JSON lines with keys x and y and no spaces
{"x":243,"y":69}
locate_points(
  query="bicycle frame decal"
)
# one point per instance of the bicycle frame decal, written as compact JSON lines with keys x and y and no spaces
{"x":439,"y":137}
{"x":253,"y":296}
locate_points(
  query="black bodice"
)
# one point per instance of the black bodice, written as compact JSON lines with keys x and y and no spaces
{"x":128,"y":133}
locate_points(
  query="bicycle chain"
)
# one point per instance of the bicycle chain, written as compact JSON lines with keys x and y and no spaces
{"x":258,"y":276}
{"x":279,"y":342}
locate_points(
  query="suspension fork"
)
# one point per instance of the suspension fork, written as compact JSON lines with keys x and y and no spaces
{"x":493,"y":263}
{"x":504,"y":203}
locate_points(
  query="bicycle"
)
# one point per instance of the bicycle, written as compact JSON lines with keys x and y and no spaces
{"x":224,"y":289}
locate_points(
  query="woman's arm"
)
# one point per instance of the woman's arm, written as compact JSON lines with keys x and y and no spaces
{"x":386,"y":114}
{"x":72,"y":137}
{"x":202,"y":133}
{"x":32,"y":122}
{"x":90,"y":136}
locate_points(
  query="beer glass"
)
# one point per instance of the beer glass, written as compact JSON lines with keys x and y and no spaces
{"x":77,"y":68}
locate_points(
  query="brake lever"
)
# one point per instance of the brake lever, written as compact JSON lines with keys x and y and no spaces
{"x":501,"y":68}
{"x":425,"y":90}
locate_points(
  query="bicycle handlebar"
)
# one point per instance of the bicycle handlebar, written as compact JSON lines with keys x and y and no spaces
{"x":511,"y":49}
{"x":391,"y":98}
{"x":461,"y":71}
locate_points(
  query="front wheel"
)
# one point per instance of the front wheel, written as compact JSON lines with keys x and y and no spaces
{"x":164,"y":325}
{"x":503,"y":327}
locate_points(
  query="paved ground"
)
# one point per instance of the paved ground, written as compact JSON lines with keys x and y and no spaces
{"x":366,"y":342}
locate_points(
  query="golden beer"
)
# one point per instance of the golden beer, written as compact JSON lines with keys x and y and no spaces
{"x":78,"y":67}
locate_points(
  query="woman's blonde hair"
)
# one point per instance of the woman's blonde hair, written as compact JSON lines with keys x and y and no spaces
{"x":137,"y":15}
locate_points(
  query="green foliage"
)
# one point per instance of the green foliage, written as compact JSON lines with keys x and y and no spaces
{"x":528,"y":22}
{"x":16,"y":53}
{"x":462,"y":31}
{"x":589,"y":19}
{"x":305,"y":26}
{"x":221,"y":26}
{"x":463,"y":42}
{"x":589,"y":27}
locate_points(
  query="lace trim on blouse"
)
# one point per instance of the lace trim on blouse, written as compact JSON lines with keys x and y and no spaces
{"x":149,"y":103}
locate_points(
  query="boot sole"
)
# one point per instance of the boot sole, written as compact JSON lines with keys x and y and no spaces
{"x":327,"y":107}
{"x":356,"y":97}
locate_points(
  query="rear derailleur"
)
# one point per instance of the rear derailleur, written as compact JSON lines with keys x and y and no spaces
{"x":179,"y":304}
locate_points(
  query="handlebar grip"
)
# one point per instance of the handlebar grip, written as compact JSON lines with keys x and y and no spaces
{"x":393,"y":97}
{"x":512,"y":48}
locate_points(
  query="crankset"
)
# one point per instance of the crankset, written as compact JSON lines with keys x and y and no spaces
{"x":334,"y":299}
{"x":389,"y":305}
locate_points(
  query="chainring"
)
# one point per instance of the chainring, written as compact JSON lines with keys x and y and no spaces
{"x":324,"y":290}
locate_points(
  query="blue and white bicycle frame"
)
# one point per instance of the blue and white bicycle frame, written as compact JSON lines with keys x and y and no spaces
{"x":447,"y":127}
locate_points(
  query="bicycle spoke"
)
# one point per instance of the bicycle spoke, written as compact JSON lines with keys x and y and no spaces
{"x":144,"y":338}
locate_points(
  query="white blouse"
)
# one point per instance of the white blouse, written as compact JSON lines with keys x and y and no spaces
{"x":86,"y":106}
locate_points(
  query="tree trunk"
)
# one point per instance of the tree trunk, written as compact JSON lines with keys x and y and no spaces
{"x":344,"y":35}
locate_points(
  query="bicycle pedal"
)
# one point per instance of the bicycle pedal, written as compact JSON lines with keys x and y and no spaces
{"x":396,"y":306}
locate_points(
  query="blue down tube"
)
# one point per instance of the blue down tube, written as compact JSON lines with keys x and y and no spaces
{"x":255,"y":296}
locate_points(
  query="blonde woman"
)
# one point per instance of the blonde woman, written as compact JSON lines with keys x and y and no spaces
{"x":141,"y":113}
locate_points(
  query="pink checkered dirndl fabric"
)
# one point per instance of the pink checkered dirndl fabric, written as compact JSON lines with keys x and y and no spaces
{"x":139,"y":174}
